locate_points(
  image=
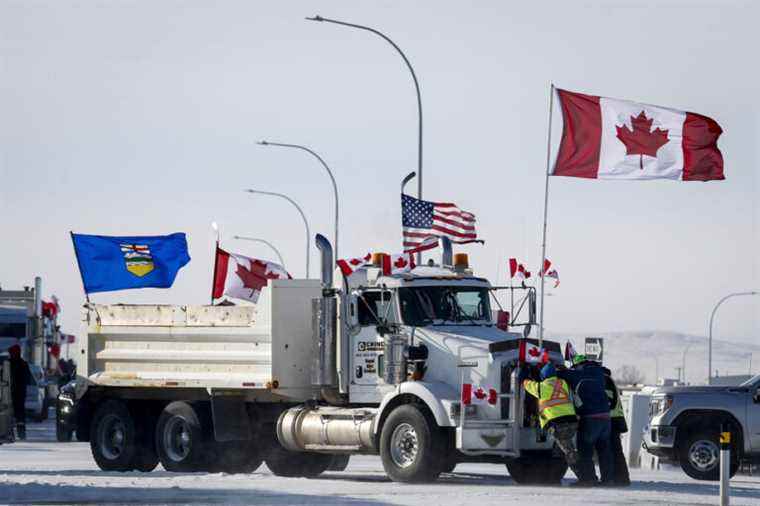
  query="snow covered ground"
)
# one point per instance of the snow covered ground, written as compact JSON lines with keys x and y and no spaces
{"x":41,"y":470}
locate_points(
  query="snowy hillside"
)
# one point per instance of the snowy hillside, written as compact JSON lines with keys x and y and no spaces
{"x":659,"y":353}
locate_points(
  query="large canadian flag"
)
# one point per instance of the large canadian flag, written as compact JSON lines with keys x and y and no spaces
{"x":607,"y":138}
{"x":241,"y":277}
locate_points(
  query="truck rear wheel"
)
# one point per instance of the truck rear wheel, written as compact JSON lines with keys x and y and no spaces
{"x":410,"y":445}
{"x":699,"y":455}
{"x":179,"y":439}
{"x":537,"y":469}
{"x":114,"y":438}
{"x":289,"y":464}
{"x":235,"y":457}
{"x":339,"y":463}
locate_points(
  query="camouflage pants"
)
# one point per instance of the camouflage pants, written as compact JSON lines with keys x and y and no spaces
{"x":564,"y":435}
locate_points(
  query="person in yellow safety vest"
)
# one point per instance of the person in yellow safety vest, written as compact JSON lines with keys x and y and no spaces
{"x":555,"y":410}
{"x":619,"y":427}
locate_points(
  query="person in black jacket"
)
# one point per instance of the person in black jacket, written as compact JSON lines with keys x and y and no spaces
{"x":20,"y":375}
{"x":619,"y":427}
{"x":586,"y":378}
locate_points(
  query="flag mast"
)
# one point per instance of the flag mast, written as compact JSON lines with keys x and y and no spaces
{"x":546,"y":209}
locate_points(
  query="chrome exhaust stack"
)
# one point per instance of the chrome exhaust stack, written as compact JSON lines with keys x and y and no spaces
{"x":325,"y":330}
{"x":326,"y":261}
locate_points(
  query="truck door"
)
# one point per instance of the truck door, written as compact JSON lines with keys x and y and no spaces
{"x":753,"y":417}
{"x":367,"y":345}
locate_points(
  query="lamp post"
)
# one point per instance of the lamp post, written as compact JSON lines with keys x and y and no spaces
{"x":329,"y":173}
{"x":414,"y":78}
{"x":300,"y":211}
{"x":263,"y":241}
{"x":712,"y":317}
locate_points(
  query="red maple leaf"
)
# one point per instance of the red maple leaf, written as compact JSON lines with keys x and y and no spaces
{"x":400,"y":263}
{"x":534,"y":352}
{"x":642,"y":140}
{"x":479,"y":393}
{"x":256,"y":277}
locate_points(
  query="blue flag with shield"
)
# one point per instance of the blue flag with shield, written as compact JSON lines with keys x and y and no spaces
{"x":109,"y":263}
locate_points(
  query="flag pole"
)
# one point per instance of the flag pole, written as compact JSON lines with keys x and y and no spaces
{"x":546,"y":209}
{"x":79,"y":264}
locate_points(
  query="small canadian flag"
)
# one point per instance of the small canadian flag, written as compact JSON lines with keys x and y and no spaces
{"x":478,"y":395}
{"x":531,"y":353}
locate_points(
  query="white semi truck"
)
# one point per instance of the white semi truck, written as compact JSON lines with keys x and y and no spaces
{"x":316,"y":371}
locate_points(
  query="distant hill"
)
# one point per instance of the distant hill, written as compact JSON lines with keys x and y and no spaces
{"x":658,"y":353}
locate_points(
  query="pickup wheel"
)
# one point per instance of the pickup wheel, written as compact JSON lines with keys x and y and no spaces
{"x":411,"y":445}
{"x":114,"y":438}
{"x":179,"y":439}
{"x":289,"y":464}
{"x":537,"y":469}
{"x":699,"y":455}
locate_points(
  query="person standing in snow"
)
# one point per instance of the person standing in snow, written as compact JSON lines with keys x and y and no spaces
{"x":619,"y":427}
{"x":20,"y":375}
{"x":587,"y":380}
{"x":556,"y":412}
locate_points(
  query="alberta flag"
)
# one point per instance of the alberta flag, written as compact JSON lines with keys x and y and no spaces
{"x":109,"y":263}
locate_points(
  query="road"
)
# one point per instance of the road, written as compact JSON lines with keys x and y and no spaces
{"x":41,"y":470}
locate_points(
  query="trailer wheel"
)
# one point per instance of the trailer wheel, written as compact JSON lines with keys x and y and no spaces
{"x":537,"y":469}
{"x":179,"y":440}
{"x":289,"y":464}
{"x":114,"y":439}
{"x":235,"y":457}
{"x":410,"y":445}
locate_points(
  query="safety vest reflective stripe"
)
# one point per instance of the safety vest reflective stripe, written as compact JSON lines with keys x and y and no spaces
{"x":557,"y":398}
{"x":617,"y":410}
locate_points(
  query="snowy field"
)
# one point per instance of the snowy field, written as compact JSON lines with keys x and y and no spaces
{"x":42,"y":471}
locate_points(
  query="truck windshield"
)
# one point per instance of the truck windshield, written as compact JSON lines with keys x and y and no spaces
{"x":429,"y":305}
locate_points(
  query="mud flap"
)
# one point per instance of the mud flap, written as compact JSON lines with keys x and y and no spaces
{"x":231,"y":422}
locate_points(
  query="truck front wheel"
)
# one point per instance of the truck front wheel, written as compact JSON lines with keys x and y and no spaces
{"x":411,"y":445}
{"x":179,"y":439}
{"x":113,"y":438}
{"x":699,"y":455}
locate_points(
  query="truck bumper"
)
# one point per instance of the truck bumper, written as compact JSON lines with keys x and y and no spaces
{"x":483,"y":440}
{"x":659,"y":440}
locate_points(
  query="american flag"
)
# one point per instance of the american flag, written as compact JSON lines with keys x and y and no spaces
{"x":421,"y":219}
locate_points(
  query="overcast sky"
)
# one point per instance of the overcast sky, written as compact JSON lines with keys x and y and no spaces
{"x":139,"y":118}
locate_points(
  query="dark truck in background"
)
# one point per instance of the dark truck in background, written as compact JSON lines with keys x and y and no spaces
{"x":685,"y":422}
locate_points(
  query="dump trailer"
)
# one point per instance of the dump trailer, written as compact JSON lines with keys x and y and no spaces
{"x":317,"y":371}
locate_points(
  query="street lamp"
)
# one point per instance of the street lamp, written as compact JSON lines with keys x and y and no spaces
{"x":406,"y":179}
{"x":414,"y":78}
{"x":263,"y":241}
{"x":300,"y":211}
{"x":329,"y":173}
{"x":712,"y":317}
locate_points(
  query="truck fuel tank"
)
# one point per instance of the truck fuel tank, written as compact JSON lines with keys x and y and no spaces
{"x":327,"y":428}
